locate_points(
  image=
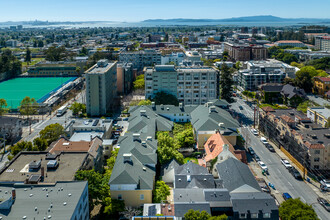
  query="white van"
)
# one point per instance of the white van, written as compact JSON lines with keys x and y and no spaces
{"x":264,"y":140}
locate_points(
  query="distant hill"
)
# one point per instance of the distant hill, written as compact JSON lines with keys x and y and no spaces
{"x":260,"y":18}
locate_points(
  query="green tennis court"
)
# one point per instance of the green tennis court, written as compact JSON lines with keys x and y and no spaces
{"x":15,"y":90}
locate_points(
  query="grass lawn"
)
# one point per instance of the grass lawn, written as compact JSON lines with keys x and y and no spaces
{"x":190,"y":159}
{"x":276,"y":106}
{"x":33,"y":61}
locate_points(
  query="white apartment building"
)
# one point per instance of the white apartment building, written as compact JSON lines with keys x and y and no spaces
{"x":191,"y":85}
{"x":101,"y":87}
{"x":141,"y":59}
{"x":175,"y":58}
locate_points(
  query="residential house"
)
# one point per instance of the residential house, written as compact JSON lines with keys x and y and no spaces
{"x":271,"y":92}
{"x":321,"y":85}
{"x":293,"y":96}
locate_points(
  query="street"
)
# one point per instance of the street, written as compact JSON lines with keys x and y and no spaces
{"x":318,"y":100}
{"x":279,"y":175}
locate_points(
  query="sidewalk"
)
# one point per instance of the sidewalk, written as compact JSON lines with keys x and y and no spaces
{"x":315,"y":186}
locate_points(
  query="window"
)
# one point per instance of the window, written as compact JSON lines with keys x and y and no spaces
{"x":120,"y":197}
{"x":142,"y":197}
{"x":316,"y":167}
{"x":266,"y":215}
{"x":242,"y":215}
{"x":317,"y":159}
{"x":317,"y":151}
{"x":254,"y":215}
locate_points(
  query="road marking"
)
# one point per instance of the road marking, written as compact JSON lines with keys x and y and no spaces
{"x":303,"y":199}
{"x":290,"y":184}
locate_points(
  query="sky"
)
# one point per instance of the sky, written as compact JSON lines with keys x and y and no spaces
{"x":138,"y":10}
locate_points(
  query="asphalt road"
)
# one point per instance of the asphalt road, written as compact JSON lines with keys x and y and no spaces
{"x":279,"y":175}
{"x":318,"y":100}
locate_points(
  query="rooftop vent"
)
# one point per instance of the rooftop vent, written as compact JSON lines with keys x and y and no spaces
{"x":212,"y":109}
{"x":144,"y":143}
{"x":153,"y":104}
{"x":144,"y":169}
{"x":66,"y":144}
{"x":136,"y":137}
{"x":64,"y":203}
{"x":188,"y":178}
{"x":149,"y":138}
{"x":181,"y":105}
{"x":143,"y":112}
{"x":162,"y":106}
{"x":167,"y":109}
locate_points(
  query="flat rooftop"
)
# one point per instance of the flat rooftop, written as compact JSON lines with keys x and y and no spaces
{"x":101,"y":67}
{"x":27,"y":199}
{"x":18,"y":169}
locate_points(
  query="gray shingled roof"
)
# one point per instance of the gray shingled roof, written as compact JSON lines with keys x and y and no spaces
{"x":202,"y":120}
{"x":290,"y":91}
{"x":253,"y":202}
{"x":235,"y":174}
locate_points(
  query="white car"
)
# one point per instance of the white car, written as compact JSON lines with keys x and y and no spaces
{"x":262,"y":165}
{"x":254,"y":131}
{"x":286,"y":163}
{"x":264,"y":140}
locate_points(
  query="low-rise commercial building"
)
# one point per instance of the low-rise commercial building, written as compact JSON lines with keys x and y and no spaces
{"x":59,"y":68}
{"x":101,"y":87}
{"x":292,"y":43}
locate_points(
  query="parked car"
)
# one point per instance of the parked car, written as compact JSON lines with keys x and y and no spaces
{"x":251,"y":151}
{"x":286,"y":163}
{"x":270,"y":148}
{"x":240,"y":107}
{"x":264,"y":140}
{"x":295,"y":173}
{"x":254,"y":131}
{"x":286,"y":196}
{"x":257,"y":158}
{"x":323,"y":202}
{"x":262,"y":165}
{"x":325,"y":185}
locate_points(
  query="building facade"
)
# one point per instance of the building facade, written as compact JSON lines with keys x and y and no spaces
{"x":101,"y":88}
{"x":140,"y":59}
{"x":191,"y":85}
{"x":321,"y":85}
{"x":245,"y":52}
{"x":319,"y":115}
{"x":322,"y":43}
{"x":59,"y":68}
{"x":125,"y":77}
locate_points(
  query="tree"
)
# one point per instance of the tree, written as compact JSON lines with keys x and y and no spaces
{"x":113,"y":206}
{"x":111,"y":161}
{"x":295,"y":209}
{"x":161,"y":192}
{"x":84,"y":52}
{"x":78,"y":108}
{"x":238,"y":65}
{"x":289,"y":58}
{"x":226,"y":82}
{"x":139,"y":82}
{"x":23,"y":145}
{"x":3,"y":105}
{"x":40,"y":144}
{"x":52,"y":132}
{"x":165,"y":99}
{"x":220,"y":217}
{"x":56,"y":53}
{"x":196,"y":215}
{"x":145,"y":102}
{"x":327,"y":125}
{"x":166,"y":149}
{"x":28,"y":55}
{"x":129,"y":212}
{"x":98,"y":188}
{"x":78,"y":69}
{"x":184,"y":138}
{"x":40,"y":43}
{"x":304,"y":78}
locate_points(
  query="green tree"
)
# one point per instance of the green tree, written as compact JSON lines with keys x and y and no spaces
{"x":166,"y":149}
{"x":238,"y":65}
{"x":40,"y":144}
{"x":3,"y":106}
{"x":78,"y":69}
{"x":304,"y":78}
{"x":84,"y":52}
{"x":78,"y":108}
{"x":220,"y":217}
{"x":295,"y":209}
{"x":111,"y":161}
{"x":40,"y":43}
{"x":196,"y":215}
{"x":327,"y":125}
{"x":113,"y":206}
{"x":161,"y":192}
{"x":98,"y":188}
{"x":165,"y":99}
{"x":226,"y":83}
{"x":52,"y":132}
{"x":23,"y":145}
{"x":28,"y":55}
{"x":145,"y":102}
{"x":56,"y":53}
{"x":185,"y":139}
{"x":139,"y":82}
{"x":289,"y":58}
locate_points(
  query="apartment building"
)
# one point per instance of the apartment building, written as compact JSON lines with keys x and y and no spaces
{"x":292,"y":43}
{"x":245,"y":52}
{"x":256,"y":73}
{"x":319,"y":115}
{"x":306,"y":141}
{"x":321,"y":85}
{"x":101,"y":88}
{"x":191,"y":85}
{"x":322,"y":43}
{"x":175,"y":58}
{"x":125,"y":77}
{"x":140,"y":59}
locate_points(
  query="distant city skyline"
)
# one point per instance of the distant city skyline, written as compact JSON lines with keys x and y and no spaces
{"x":134,"y":11}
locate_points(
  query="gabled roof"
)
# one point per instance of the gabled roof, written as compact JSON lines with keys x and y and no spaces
{"x":204,"y":120}
{"x":290,"y":91}
{"x":236,"y":174}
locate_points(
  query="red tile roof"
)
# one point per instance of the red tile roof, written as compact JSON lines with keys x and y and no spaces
{"x":324,"y":79}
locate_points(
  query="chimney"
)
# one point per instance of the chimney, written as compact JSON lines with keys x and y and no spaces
{"x":149,"y":138}
{"x":181,"y":105}
{"x":153,"y":104}
{"x":42,"y":172}
{"x":143,"y":112}
{"x":162,"y":106}
{"x":212,"y":109}
{"x":13,"y":193}
{"x":144,"y":143}
{"x":127,"y":158}
{"x":136,"y":137}
{"x":91,"y":137}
